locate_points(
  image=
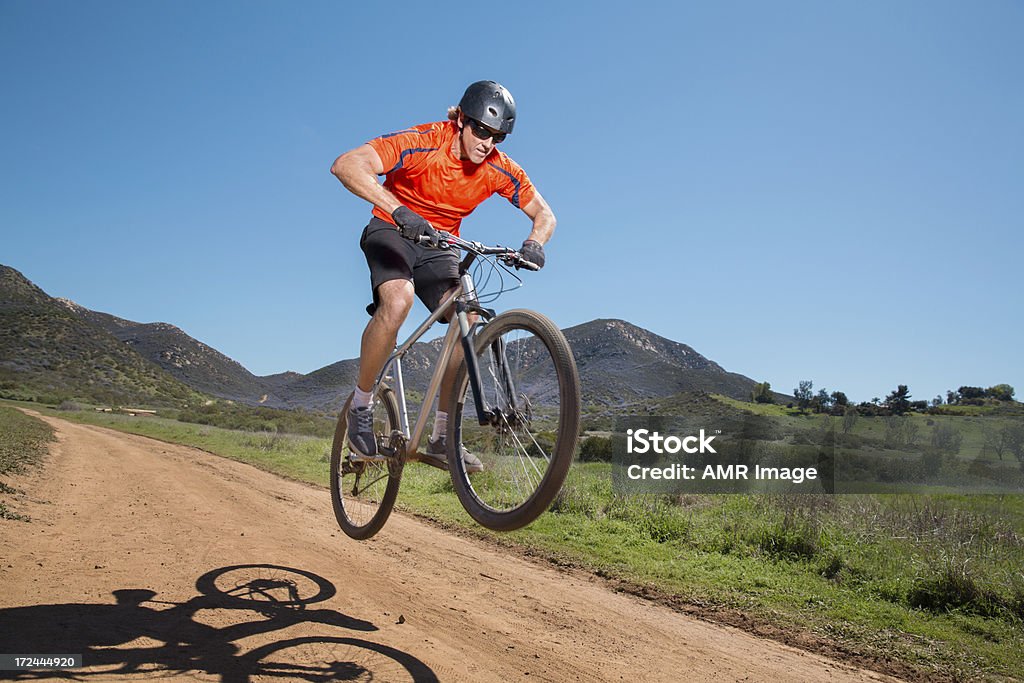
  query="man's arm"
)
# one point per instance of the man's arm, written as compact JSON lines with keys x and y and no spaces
{"x":543,"y":219}
{"x":358,"y":170}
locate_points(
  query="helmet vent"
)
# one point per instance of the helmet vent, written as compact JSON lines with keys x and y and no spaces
{"x":492,"y":111}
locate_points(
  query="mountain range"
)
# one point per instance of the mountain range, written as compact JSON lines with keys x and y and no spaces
{"x":55,"y":348}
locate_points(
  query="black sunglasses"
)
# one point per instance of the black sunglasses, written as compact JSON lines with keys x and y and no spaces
{"x":483,"y":132}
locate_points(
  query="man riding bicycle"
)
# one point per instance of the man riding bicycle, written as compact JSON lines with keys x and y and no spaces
{"x":436,"y":174}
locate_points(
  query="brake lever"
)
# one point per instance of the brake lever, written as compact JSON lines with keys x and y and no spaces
{"x":436,"y":242}
{"x":515,"y":260}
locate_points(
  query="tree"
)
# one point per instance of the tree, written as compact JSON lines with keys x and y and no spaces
{"x":937,"y":401}
{"x":1015,"y":441}
{"x":897,"y":431}
{"x":821,"y":402}
{"x":762,"y":393}
{"x":1001,"y":392}
{"x":912,"y":430}
{"x":971,"y":393}
{"x":996,"y":440}
{"x":839,"y":399}
{"x":952,"y":397}
{"x":899,"y":401}
{"x":850,"y":416}
{"x":803,"y":394}
{"x":947,"y":438}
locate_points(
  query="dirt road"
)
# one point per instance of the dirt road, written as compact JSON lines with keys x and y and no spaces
{"x":154,"y":560}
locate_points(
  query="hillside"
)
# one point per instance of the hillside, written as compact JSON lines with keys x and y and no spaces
{"x":621,"y":363}
{"x":58,"y":348}
{"x":328,"y":387}
{"x":48,"y":352}
{"x":189,"y":360}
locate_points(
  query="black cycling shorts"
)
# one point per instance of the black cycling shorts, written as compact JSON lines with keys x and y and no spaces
{"x":392,"y":257}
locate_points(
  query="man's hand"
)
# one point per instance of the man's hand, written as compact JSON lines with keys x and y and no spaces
{"x":412,"y":225}
{"x":533,"y":251}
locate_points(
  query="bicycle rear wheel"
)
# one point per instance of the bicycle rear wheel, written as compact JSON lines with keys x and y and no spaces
{"x":363,"y":493}
{"x":529,"y":382}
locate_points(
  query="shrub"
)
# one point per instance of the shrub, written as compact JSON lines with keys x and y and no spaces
{"x":662,"y":521}
{"x":259,"y":419}
{"x":762,"y":393}
{"x":544,"y":441}
{"x":1017,"y":602}
{"x":953,"y":587}
{"x":797,"y":536}
{"x":596,"y":449}
{"x":931,"y":463}
{"x":832,"y":567}
{"x":790,"y":542}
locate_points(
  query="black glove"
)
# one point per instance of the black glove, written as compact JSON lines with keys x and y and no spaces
{"x":412,"y":225}
{"x":533,"y":252}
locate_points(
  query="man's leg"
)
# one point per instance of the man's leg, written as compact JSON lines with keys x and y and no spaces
{"x":394,"y":299}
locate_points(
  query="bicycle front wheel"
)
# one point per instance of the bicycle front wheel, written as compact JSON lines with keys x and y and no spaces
{"x":530,"y":386}
{"x":362,"y":492}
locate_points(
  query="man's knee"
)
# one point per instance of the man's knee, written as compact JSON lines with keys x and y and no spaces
{"x":394,"y":300}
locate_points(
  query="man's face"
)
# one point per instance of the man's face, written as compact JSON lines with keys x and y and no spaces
{"x":478,"y":140}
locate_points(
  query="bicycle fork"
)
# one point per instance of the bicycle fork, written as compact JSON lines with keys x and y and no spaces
{"x":484,"y":416}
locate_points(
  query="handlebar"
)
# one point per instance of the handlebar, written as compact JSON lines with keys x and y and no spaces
{"x":446,"y":240}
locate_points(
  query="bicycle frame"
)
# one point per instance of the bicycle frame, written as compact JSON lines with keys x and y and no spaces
{"x":523,"y":475}
{"x":463,"y":301}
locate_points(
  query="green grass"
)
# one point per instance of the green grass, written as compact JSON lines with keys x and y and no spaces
{"x":230,"y":415}
{"x":769,"y":409}
{"x":24,"y":441}
{"x":931,"y":581}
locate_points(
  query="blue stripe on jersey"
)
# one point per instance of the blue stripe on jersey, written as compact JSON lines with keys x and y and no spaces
{"x":407,"y":152}
{"x":515,"y":195}
{"x":407,"y":130}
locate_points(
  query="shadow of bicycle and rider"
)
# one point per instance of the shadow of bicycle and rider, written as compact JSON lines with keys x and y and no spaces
{"x":140,"y":635}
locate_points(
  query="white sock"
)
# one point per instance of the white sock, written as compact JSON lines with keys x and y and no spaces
{"x":361,"y":399}
{"x":440,"y":425}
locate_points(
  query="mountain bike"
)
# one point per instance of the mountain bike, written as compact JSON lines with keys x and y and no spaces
{"x":516,"y":406}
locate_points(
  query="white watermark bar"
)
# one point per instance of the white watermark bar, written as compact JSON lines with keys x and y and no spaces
{"x":30,"y":662}
{"x":769,"y":454}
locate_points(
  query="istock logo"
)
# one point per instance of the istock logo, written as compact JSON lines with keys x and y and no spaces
{"x":641,"y":441}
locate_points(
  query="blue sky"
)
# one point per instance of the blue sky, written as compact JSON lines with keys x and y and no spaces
{"x":798,"y":190}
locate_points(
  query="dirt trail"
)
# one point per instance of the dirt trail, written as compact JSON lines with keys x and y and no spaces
{"x":115,"y":516}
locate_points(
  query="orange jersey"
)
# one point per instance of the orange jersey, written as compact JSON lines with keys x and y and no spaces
{"x":425,"y":176}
